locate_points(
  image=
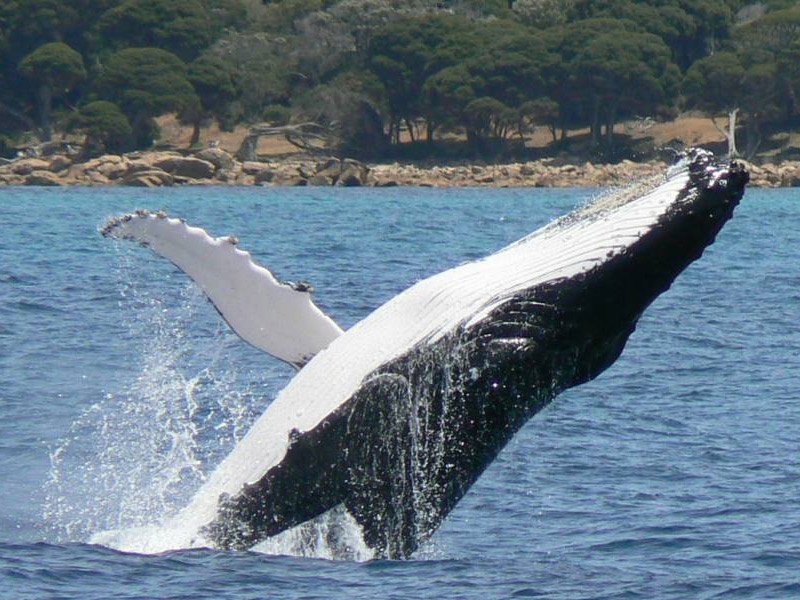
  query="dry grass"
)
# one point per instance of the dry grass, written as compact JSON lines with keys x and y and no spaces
{"x":691,"y":129}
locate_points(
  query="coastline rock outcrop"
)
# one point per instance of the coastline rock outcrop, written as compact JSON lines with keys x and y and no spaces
{"x":214,"y":166}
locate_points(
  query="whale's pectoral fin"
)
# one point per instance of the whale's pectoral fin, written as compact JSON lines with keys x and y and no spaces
{"x":274,"y":316}
{"x":380,"y":465}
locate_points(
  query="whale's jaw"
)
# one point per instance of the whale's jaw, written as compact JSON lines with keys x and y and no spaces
{"x":401,"y":441}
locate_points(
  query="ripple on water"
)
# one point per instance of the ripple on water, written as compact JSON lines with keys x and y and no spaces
{"x":673,"y":475}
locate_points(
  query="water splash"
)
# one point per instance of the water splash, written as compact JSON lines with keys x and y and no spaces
{"x":333,"y":535}
{"x":136,"y":456}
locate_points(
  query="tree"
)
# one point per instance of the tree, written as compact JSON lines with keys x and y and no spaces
{"x":759,"y":101}
{"x":691,"y":28}
{"x":31,"y":23}
{"x":54,"y":69}
{"x":262,"y":67}
{"x":607,"y":69}
{"x":484,"y":93}
{"x":146,"y":83}
{"x":343,"y":115}
{"x":789,"y":69}
{"x":213,"y":81}
{"x":712,"y":84}
{"x":542,"y":13}
{"x":488,"y":118}
{"x":735,"y":85}
{"x":542,"y":111}
{"x":106,"y":128}
{"x":403,"y":55}
{"x":183,"y":27}
{"x":624,"y":76}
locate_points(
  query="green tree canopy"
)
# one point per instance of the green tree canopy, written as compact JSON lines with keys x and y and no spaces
{"x":711,"y":84}
{"x":773,"y":32}
{"x":403,"y":54}
{"x":213,"y":80}
{"x":183,"y":27}
{"x":606,"y":69}
{"x":30,"y":23}
{"x":726,"y":84}
{"x":146,"y":83}
{"x":789,"y":76}
{"x":691,"y":28}
{"x":106,"y":127}
{"x":53,"y":69}
{"x":484,"y":93}
{"x":623,"y":76}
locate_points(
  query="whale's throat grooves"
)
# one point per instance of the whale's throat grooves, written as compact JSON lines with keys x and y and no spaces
{"x":401,"y":414}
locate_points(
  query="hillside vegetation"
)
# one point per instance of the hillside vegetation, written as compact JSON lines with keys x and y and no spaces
{"x":385,"y":78}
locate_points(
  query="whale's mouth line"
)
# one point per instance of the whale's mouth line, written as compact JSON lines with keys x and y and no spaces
{"x":393,"y":420}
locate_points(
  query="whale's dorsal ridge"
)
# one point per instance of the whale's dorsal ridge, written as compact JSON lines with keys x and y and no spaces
{"x":277,"y":317}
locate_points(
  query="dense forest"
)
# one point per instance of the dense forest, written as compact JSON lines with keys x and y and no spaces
{"x":366,"y":75}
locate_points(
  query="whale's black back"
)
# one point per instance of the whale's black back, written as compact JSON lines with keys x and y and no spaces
{"x":408,"y":444}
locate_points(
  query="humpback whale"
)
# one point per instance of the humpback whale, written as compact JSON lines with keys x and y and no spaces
{"x":395,"y":418}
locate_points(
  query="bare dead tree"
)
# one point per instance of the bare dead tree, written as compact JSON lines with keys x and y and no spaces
{"x":310,"y":137}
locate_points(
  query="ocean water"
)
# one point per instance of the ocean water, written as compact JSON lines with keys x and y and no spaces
{"x":675,"y":474}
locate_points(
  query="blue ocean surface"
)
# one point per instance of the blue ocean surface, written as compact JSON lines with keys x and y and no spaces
{"x":675,"y":474}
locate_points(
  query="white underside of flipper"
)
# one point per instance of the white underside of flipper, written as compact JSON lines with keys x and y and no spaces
{"x":276,"y":317}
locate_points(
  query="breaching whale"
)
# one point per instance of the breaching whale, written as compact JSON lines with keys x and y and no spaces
{"x":395,"y":418}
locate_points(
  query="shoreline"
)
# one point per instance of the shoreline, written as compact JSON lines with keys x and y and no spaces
{"x":213,"y":166}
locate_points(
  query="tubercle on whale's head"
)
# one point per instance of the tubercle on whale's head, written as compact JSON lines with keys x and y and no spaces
{"x":713,"y":181}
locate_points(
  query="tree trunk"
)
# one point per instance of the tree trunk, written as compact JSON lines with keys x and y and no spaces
{"x":753,"y":137}
{"x":595,"y":128}
{"x":730,"y":134}
{"x":391,"y":129}
{"x":410,"y":125}
{"x":45,"y":106}
{"x":430,"y":127}
{"x":732,"y":151}
{"x":195,"y":134}
{"x":553,"y":131}
{"x":610,"y":121}
{"x":247,"y":151}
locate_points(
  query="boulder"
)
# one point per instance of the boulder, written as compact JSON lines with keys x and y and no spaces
{"x":95,"y":178}
{"x":113,"y":170}
{"x":217,"y":157}
{"x":350,"y":177}
{"x":26,"y":166}
{"x":306,"y":171}
{"x":251,"y":167}
{"x":331,"y":168}
{"x":148,"y":178}
{"x":264,"y":176}
{"x":60,"y":163}
{"x":44,"y":178}
{"x":353,"y":174}
{"x":790,"y":177}
{"x":8,"y":179}
{"x":186,"y":166}
{"x":226,"y":175}
{"x":320,"y":180}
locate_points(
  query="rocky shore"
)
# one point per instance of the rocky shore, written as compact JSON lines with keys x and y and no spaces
{"x":213,"y":166}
